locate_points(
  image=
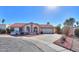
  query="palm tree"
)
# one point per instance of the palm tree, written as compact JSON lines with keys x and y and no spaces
{"x":48,"y":23}
{"x":69,"y":22}
{"x":3,"y":20}
{"x":72,"y":21}
{"x":66,"y":22}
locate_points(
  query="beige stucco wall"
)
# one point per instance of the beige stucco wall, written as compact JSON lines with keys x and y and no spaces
{"x":25,"y":27}
{"x":29,"y":25}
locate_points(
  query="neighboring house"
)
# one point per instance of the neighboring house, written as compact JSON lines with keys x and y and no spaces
{"x":32,"y":28}
{"x":4,"y":26}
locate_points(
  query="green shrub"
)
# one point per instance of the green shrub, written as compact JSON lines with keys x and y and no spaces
{"x":77,"y":32}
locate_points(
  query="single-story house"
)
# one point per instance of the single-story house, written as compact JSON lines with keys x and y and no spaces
{"x":32,"y":28}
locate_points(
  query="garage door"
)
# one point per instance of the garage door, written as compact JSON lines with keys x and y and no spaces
{"x":47,"y":31}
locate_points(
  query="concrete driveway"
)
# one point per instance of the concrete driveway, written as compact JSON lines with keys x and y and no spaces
{"x":47,"y":37}
{"x":8,"y":44}
{"x":39,"y":43}
{"x":17,"y":45}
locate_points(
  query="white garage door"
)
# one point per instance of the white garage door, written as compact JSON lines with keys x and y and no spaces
{"x":47,"y":31}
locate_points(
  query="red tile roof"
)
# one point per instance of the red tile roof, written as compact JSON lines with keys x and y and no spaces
{"x":18,"y":25}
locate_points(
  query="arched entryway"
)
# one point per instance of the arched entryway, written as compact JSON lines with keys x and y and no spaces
{"x":35,"y":30}
{"x":28,"y":29}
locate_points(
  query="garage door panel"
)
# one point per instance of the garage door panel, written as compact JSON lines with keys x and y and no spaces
{"x":47,"y":30}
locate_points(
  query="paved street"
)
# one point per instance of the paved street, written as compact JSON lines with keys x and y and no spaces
{"x":40,"y":43}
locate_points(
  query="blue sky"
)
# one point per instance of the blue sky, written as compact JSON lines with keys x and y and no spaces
{"x":38,"y":14}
